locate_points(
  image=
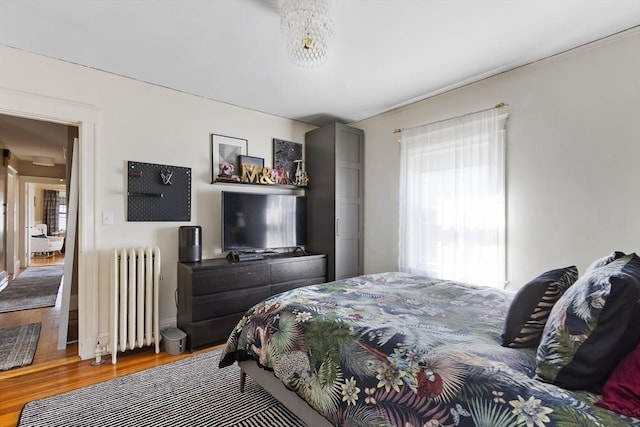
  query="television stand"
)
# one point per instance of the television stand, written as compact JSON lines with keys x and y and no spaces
{"x":214,"y":294}
{"x":246,"y":256}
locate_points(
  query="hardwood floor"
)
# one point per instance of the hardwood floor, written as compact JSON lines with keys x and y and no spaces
{"x":48,"y":316}
{"x":57,"y":371}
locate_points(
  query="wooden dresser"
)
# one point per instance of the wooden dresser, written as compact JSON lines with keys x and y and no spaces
{"x":214,"y":294}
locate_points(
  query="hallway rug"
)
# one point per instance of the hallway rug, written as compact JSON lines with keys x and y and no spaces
{"x":35,"y":287}
{"x":190,"y":392}
{"x":18,"y":345}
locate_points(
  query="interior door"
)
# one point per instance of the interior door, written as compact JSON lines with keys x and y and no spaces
{"x":70,"y":248}
{"x":3,"y":218}
{"x":349,"y":199}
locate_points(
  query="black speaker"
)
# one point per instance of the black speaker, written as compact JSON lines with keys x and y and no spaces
{"x":190,"y":243}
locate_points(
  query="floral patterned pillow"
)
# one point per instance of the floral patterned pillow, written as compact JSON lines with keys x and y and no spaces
{"x":601,"y":262}
{"x":531,"y":305}
{"x":592,"y":326}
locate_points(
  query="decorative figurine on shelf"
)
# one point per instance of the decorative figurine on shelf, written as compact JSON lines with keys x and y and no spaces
{"x":226,"y":168}
{"x":281,"y":176}
{"x":301,"y":174}
{"x":226,"y":172}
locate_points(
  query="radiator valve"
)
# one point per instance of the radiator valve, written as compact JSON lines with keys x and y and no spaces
{"x":98,"y":360}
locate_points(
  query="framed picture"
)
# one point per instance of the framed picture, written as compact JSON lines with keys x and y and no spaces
{"x":285,"y":153}
{"x":248,"y":160}
{"x":225,"y":151}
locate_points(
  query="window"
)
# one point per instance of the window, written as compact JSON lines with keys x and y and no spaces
{"x":452,"y":199}
{"x":62,"y":212}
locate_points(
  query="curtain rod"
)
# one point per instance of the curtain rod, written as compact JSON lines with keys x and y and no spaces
{"x":500,"y":105}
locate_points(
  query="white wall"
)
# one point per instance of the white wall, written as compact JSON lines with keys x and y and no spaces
{"x":573,"y":158}
{"x":152,"y":124}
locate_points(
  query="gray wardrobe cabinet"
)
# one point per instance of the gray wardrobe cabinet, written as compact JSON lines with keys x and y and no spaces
{"x":335,"y":196}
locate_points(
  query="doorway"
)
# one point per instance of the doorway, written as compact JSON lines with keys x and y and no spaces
{"x":85,"y":118}
{"x":42,"y":216}
{"x":28,"y":211}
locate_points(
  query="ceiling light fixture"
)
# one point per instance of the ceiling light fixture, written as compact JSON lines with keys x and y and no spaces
{"x":43,"y":161}
{"x":306,"y":25}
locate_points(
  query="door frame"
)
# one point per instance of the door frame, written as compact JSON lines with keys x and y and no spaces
{"x":12,"y":252}
{"x":26,"y":190}
{"x":86,"y":118}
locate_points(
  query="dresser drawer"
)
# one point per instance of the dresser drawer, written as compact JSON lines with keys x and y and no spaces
{"x":230,"y":278}
{"x":223,"y":303}
{"x":298,"y":269}
{"x":212,"y":331}
{"x":285,"y":286}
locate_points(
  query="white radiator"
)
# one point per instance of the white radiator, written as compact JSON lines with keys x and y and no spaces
{"x":134,"y":300}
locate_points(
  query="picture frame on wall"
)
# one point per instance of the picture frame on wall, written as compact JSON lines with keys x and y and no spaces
{"x":225,"y":153}
{"x":250,"y":160}
{"x":285,"y":154}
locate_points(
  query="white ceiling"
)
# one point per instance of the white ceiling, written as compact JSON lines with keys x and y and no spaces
{"x":26,"y":138}
{"x":383,"y":53}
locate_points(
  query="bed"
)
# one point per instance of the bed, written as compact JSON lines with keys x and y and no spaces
{"x":395,"y":349}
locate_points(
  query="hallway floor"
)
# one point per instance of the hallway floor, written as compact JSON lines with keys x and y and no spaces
{"x":47,"y":352}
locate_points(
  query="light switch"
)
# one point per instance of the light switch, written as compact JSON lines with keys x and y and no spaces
{"x":107,"y":218}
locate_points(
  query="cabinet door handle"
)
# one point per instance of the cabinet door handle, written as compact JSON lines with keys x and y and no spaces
{"x":338,"y":227}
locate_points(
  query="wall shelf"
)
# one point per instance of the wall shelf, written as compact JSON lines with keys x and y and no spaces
{"x":254,"y":184}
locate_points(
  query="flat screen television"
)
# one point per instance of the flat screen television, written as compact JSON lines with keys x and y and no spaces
{"x":253,"y":221}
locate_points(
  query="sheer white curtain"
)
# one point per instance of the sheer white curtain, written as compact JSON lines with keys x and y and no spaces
{"x":452,"y":199}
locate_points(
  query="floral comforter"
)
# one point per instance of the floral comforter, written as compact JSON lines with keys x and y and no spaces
{"x":394,"y":349}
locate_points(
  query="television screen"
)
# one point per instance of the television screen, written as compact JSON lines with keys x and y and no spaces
{"x":262,"y":221}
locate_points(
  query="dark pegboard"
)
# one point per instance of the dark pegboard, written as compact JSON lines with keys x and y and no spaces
{"x":158,"y":192}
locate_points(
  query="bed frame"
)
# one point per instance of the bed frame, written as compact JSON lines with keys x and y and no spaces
{"x":276,"y":388}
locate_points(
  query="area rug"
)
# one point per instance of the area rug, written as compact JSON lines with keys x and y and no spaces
{"x":190,"y":392}
{"x":35,"y":287}
{"x":18,"y":345}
